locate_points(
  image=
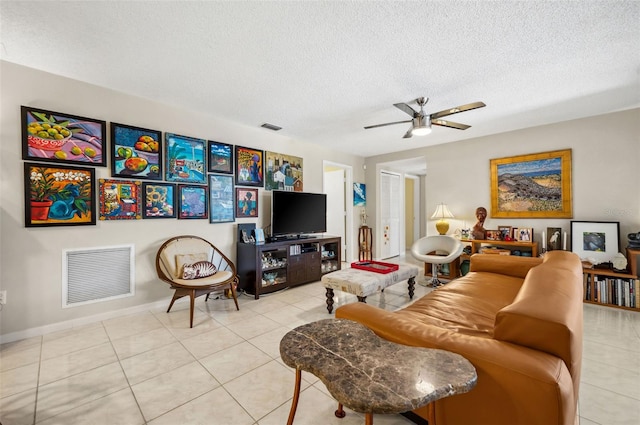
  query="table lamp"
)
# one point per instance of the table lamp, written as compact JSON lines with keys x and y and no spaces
{"x":442,"y":212}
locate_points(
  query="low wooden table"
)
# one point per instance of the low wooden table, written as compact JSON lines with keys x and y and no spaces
{"x":362,"y":283}
{"x":369,"y":374}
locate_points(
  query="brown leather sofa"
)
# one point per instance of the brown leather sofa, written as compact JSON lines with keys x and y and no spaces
{"x":518,"y":320}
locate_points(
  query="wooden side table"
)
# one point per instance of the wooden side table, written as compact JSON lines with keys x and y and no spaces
{"x":365,"y":240}
{"x":369,"y":374}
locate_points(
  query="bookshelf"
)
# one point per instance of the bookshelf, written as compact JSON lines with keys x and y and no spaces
{"x":612,"y":289}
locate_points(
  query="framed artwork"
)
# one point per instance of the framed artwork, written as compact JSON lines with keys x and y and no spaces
{"x":359,"y":195}
{"x":192,"y":201}
{"x":136,"y":152}
{"x":221,"y":199}
{"x":64,"y":138}
{"x":159,"y":200}
{"x":283,"y":172}
{"x":220,"y":158}
{"x":553,"y":239}
{"x":595,"y":241}
{"x":249,"y":170}
{"x":523,"y":234}
{"x":58,"y":195}
{"x":246,"y":202}
{"x":185,"y":159}
{"x":493,"y":235}
{"x":120,"y":200}
{"x":532,"y":186}
{"x":505,"y":233}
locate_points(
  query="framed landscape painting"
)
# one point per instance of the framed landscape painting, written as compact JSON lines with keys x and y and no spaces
{"x":159,"y":200}
{"x":221,"y":199}
{"x":185,"y":159}
{"x":283,"y":172}
{"x":120,"y":200}
{"x":58,"y":195}
{"x":136,"y":152}
{"x":249,"y":171}
{"x":220,"y":158}
{"x":532,"y":186}
{"x":192,"y":201}
{"x":64,"y":138}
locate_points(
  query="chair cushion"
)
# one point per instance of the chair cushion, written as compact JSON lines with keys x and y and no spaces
{"x":182,"y":259}
{"x":219,"y":278}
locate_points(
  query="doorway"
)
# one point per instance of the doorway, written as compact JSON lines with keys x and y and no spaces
{"x":412,"y":210}
{"x":337,"y":183}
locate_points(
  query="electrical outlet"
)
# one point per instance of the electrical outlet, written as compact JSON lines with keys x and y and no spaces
{"x":3,"y":297}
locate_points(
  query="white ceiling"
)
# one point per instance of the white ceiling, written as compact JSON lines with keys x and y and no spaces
{"x":323,"y":70}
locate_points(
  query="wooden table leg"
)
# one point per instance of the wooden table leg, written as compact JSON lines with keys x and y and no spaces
{"x":412,"y":284}
{"x":296,"y":396}
{"x":340,"y":413}
{"x":368,"y":419}
{"x":329,"y":296}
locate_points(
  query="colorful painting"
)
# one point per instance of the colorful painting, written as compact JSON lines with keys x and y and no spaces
{"x":159,"y":200}
{"x":532,"y":186}
{"x":283,"y":172}
{"x":185,"y":159}
{"x":247,"y":202}
{"x":58,"y":137}
{"x":120,"y":200}
{"x":221,"y":199}
{"x":58,"y":195}
{"x":192,"y":202}
{"x":220,"y":157}
{"x":359,"y":195}
{"x":249,"y":171}
{"x":136,"y":152}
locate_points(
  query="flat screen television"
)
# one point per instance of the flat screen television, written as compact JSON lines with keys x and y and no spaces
{"x":297,"y":213}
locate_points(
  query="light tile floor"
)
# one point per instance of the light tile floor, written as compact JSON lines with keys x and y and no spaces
{"x":150,"y":368}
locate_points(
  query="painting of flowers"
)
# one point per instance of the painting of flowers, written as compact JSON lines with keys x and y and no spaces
{"x":159,"y":200}
{"x":185,"y":159}
{"x":136,"y":152}
{"x":58,"y":137}
{"x":192,"y":202}
{"x":58,"y":195}
{"x":120,"y":200}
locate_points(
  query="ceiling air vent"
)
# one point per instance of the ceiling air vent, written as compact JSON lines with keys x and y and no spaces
{"x":271,"y":126}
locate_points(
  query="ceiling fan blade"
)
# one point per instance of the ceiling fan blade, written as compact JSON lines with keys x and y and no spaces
{"x":458,"y":109}
{"x":450,"y":124}
{"x":383,"y":125}
{"x":406,"y":109}
{"x":408,"y":134}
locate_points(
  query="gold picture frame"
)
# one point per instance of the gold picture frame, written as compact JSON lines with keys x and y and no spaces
{"x":532,"y":186}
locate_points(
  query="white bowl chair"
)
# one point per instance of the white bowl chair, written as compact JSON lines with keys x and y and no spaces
{"x":445,"y":250}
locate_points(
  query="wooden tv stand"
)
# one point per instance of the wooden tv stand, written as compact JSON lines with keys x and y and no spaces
{"x":283,"y":264}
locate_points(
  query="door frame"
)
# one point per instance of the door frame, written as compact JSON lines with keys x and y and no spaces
{"x":347,"y":244}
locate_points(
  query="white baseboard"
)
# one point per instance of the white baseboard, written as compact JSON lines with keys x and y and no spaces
{"x":60,"y":326}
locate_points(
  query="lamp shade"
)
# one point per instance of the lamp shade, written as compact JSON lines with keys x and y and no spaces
{"x":421,"y":126}
{"x":442,"y":212}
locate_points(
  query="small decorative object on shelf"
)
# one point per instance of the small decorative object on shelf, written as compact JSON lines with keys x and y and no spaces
{"x":478,"y":229}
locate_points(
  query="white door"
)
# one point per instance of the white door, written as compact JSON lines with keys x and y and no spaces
{"x":390,"y":210}
{"x":337,"y":182}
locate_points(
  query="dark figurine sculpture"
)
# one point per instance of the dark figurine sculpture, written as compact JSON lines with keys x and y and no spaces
{"x":478,"y":231}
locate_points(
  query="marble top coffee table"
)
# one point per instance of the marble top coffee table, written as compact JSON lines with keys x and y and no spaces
{"x":369,"y":374}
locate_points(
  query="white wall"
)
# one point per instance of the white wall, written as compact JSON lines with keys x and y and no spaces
{"x":31,"y":258}
{"x":605,"y":172}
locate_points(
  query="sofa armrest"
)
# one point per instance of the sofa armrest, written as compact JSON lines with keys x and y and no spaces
{"x":509,"y":265}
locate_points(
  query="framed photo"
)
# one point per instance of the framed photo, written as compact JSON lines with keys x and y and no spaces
{"x":283,"y":172}
{"x":532,"y":186}
{"x":220,"y":159}
{"x":359,"y":195}
{"x":192,"y":201}
{"x":553,"y":239}
{"x":246,"y":202}
{"x":249,"y":167}
{"x":120,"y":200}
{"x":523,"y":234}
{"x":493,"y":235}
{"x":64,"y":138}
{"x":185,"y":159}
{"x":221,"y":199}
{"x":505,"y":233}
{"x":159,"y":200}
{"x":136,"y":152}
{"x":595,"y":241}
{"x":58,"y":195}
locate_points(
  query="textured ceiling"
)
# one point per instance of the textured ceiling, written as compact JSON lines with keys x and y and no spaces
{"x":323,"y":70}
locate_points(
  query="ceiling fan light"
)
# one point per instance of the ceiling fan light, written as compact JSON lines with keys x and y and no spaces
{"x":421,"y":131}
{"x":421,"y":126}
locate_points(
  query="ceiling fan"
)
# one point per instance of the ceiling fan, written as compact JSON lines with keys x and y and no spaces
{"x":421,"y":122}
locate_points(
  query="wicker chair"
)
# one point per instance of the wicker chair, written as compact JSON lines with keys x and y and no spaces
{"x":188,"y":249}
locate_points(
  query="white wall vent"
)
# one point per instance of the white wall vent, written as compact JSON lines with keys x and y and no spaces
{"x":93,"y":275}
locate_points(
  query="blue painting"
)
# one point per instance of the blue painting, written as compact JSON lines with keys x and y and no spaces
{"x":185,"y":159}
{"x":135,"y":152}
{"x":359,"y":195}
